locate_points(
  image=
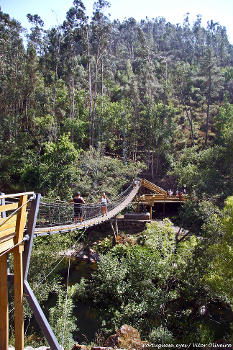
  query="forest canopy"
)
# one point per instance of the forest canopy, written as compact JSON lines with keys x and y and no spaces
{"x":146,"y":91}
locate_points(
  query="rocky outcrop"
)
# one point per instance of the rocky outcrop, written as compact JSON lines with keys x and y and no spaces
{"x":88,"y":255}
{"x":126,"y":337}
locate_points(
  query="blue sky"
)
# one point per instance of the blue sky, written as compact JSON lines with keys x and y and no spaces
{"x":53,"y":11}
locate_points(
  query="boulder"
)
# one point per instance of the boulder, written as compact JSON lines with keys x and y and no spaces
{"x":88,"y":255}
{"x":112,"y":341}
{"x":126,"y":337}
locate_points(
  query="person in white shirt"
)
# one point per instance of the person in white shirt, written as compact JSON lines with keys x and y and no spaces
{"x":104,"y":201}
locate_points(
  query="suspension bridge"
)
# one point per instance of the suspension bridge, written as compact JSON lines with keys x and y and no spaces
{"x":58,"y":217}
{"x":23,"y":217}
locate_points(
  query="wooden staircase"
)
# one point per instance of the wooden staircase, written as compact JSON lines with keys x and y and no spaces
{"x":152,"y":187}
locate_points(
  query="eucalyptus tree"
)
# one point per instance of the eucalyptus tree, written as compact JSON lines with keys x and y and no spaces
{"x":128,"y":35}
{"x":187,"y":42}
{"x":36,"y":97}
{"x":100,"y":28}
{"x":36,"y":35}
{"x":158,"y":128}
{"x":211,"y":82}
{"x":12,"y":72}
{"x":150,"y":87}
{"x":52,"y":60}
{"x":72,"y":48}
{"x":223,"y":49}
{"x":12,"y":66}
{"x":184,"y":88}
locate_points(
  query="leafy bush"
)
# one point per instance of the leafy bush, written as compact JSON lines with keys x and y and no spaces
{"x":160,"y":335}
{"x":133,"y":284}
{"x":62,"y":320}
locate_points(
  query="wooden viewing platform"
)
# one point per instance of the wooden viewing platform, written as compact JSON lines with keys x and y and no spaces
{"x":156,"y":195}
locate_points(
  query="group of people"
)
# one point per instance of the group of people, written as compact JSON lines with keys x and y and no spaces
{"x":177,"y":193}
{"x":78,"y":202}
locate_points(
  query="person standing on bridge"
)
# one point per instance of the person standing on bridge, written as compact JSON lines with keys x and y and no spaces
{"x":78,"y":202}
{"x":104,"y":201}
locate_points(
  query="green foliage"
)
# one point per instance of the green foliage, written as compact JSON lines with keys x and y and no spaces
{"x":223,"y":122}
{"x":99,"y":173}
{"x":57,"y":167}
{"x":160,"y":335}
{"x":141,"y":96}
{"x":46,"y":264}
{"x":196,"y":216}
{"x":220,"y":275}
{"x":104,"y":245}
{"x":133,"y":285}
{"x":62,"y":320}
{"x":203,"y":171}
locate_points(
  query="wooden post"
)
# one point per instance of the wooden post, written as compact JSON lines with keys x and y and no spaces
{"x":18,"y":275}
{"x":18,"y":298}
{"x":114,"y":233}
{"x":151,"y":205}
{"x":116,"y":226}
{"x":4,"y":318}
{"x":2,"y":202}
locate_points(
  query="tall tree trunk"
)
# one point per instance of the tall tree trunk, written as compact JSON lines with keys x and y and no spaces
{"x":100,"y":124}
{"x":152,"y":164}
{"x":157,"y":162}
{"x":190,"y":119}
{"x":94,"y":105}
{"x":89,"y":89}
{"x":208,"y":103}
{"x":72,"y":106}
{"x":56,"y":78}
{"x":207,"y":118}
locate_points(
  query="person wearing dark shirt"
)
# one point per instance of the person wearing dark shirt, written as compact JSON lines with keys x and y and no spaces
{"x":78,"y":202}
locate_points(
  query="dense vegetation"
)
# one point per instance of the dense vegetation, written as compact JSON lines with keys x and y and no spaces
{"x":148,"y":91}
{"x":93,"y":103}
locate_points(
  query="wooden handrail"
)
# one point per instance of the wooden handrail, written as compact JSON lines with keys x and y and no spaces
{"x":15,"y":195}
